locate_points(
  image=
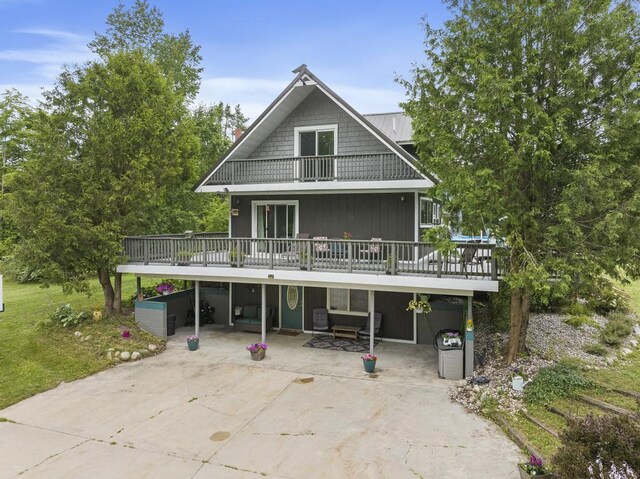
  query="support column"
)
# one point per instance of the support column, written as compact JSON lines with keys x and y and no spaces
{"x":196,"y":308}
{"x":264,"y":313}
{"x":138,"y":287}
{"x":372,"y":319}
{"x":468,"y":340}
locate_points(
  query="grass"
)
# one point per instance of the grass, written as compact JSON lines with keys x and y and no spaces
{"x":35,"y":357}
{"x":539,"y":438}
{"x":581,"y":320}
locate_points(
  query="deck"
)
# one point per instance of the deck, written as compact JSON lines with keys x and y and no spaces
{"x":469,"y":260}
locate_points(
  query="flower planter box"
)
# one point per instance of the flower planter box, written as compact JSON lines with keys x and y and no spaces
{"x":525,"y":475}
{"x":258,"y":355}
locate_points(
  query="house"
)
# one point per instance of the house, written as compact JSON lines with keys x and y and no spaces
{"x":327,"y":211}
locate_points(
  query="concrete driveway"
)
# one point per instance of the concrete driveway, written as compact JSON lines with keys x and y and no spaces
{"x":301,"y":412}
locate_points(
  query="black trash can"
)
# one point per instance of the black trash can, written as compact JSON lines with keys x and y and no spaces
{"x":171,"y":325}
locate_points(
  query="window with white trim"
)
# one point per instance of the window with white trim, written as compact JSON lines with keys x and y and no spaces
{"x":316,"y":141}
{"x":348,"y":301}
{"x":430,"y":212}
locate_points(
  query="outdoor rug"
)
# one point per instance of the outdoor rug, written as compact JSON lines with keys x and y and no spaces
{"x":339,"y":344}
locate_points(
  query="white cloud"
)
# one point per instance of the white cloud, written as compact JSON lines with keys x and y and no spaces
{"x":62,"y":48}
{"x":255,"y":94}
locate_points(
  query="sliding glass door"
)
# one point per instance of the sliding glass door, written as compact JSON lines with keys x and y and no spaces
{"x":275,"y":220}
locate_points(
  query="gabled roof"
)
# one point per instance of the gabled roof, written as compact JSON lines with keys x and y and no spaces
{"x":396,"y":125}
{"x":301,"y":86}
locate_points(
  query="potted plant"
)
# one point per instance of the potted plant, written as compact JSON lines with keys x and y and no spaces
{"x":303,"y":259}
{"x":165,"y":288}
{"x":347,"y":235}
{"x":420,"y":306}
{"x":192,"y":342}
{"x":233,"y":257}
{"x":183,"y":258}
{"x":369,"y":361}
{"x":257,"y":351}
{"x":533,"y":468}
{"x":390,"y":262}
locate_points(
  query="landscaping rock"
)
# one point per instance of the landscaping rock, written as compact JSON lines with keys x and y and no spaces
{"x":152,"y":347}
{"x":626,"y":351}
{"x":144,"y":352}
{"x":77,"y":334}
{"x":461,"y":383}
{"x":476,"y":389}
{"x":633,"y":343}
{"x":125,"y":355}
{"x":116,"y":354}
{"x":87,"y":338}
{"x":636,"y":330}
{"x":610,"y":360}
{"x":109,"y":355}
{"x":136,"y":355}
{"x":111,"y":350}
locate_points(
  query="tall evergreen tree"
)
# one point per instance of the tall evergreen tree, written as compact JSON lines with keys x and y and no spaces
{"x":529,"y":113}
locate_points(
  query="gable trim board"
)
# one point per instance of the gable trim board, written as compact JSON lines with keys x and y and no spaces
{"x":325,"y":187}
{"x":306,"y":79}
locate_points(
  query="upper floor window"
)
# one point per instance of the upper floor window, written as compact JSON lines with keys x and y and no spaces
{"x":316,"y":140}
{"x":430,"y":212}
{"x":311,"y":142}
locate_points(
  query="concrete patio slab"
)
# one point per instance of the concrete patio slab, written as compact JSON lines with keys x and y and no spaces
{"x":301,"y":412}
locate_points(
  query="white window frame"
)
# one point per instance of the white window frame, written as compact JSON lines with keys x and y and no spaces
{"x":254,"y":214}
{"x":303,"y":129}
{"x":348,"y":312}
{"x":436,"y":207}
{"x":317,"y":128}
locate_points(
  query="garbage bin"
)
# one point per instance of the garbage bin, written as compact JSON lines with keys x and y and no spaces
{"x":171,"y":325}
{"x":450,"y":361}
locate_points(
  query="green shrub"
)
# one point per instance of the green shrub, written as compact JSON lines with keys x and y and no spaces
{"x":579,"y":321}
{"x":603,"y":297}
{"x":618,"y":327}
{"x":499,"y":310}
{"x":66,"y":316}
{"x":561,"y":380}
{"x":612,"y":438}
{"x":596,"y":349}
{"x":577,"y":309}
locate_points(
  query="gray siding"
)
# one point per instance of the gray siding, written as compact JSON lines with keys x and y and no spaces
{"x":318,"y":109}
{"x":442,"y":316}
{"x":365,"y":216}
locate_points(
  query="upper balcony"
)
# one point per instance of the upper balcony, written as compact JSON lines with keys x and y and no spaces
{"x":223,"y":256}
{"x":316,"y":172}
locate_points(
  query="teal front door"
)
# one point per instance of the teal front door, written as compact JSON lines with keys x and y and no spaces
{"x":291,"y":307}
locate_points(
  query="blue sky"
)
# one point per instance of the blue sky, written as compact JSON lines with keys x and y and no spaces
{"x":248,"y":47}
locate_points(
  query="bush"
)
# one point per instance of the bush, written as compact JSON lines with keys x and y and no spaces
{"x":618,"y":327}
{"x":561,"y":380}
{"x":613,"y":439}
{"x":603,"y":297}
{"x":596,"y":349}
{"x":499,"y":310}
{"x":66,"y":316}
{"x":579,"y":321}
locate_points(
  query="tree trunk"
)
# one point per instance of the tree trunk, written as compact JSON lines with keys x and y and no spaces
{"x":117,"y":294}
{"x":520,"y":302}
{"x":107,"y":289}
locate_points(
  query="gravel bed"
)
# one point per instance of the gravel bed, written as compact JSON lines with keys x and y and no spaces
{"x":549,"y":339}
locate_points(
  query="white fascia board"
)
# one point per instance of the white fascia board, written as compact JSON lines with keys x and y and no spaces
{"x":322,"y":186}
{"x":201,"y":187}
{"x":321,"y":279}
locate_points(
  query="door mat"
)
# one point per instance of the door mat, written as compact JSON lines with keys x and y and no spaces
{"x":340,"y":344}
{"x":289,"y":332}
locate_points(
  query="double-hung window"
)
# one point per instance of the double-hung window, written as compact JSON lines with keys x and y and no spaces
{"x":430,"y":212}
{"x":317,"y":147}
{"x":349,"y":301}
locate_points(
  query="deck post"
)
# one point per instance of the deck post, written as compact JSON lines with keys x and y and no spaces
{"x":372,"y":319}
{"x":196,"y":308}
{"x":138,"y":287}
{"x":264,"y":313}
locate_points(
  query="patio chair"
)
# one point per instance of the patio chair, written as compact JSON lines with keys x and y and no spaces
{"x":377,"y":323}
{"x":321,"y":247}
{"x":320,"y":320}
{"x":294,"y":248}
{"x":468,"y":258}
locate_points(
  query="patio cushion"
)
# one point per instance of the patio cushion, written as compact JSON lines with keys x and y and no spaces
{"x":250,"y":311}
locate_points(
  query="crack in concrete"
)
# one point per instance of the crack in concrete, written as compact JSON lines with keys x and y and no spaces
{"x":52,"y":456}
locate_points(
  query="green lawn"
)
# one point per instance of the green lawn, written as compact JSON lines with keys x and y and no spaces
{"x":33,"y":357}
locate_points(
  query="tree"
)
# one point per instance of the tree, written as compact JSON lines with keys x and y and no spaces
{"x":15,"y":112}
{"x":528,"y":112}
{"x":141,"y":28}
{"x":110,"y":143}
